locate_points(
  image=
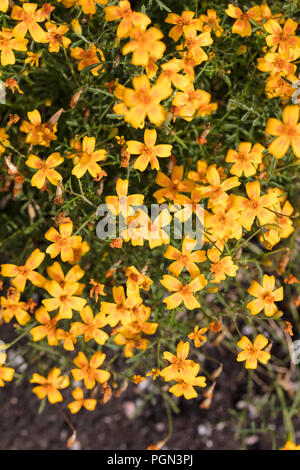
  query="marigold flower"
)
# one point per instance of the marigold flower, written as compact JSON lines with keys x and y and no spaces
{"x":45,"y":169}
{"x":144,"y":44}
{"x":289,"y":445}
{"x":197,"y":336}
{"x":255,"y":206}
{"x":266,"y":296}
{"x":170,"y":74}
{"x":183,"y":293}
{"x":63,"y":299}
{"x":187,"y":389}
{"x":80,"y":401}
{"x":4,"y":5}
{"x":91,"y":326}
{"x":56,"y":273}
{"x":89,"y":57}
{"x":88,"y":159}
{"x":211,"y":22}
{"x":148,"y":152}
{"x":182,"y":23}
{"x":144,"y":100}
{"x":194,"y":44}
{"x":32,"y":59}
{"x":171,"y":187}
{"x":154,"y":373}
{"x":180,"y":368}
{"x":288,"y":132}
{"x":68,"y":338}
{"x":278,"y":62}
{"x":282,"y":37}
{"x":63,"y":242}
{"x":49,"y":387}
{"x":38,"y":133}
{"x":220,"y":268}
{"x":47,"y":327}
{"x":190,"y":101}
{"x":97,"y":289}
{"x":8,"y":43}
{"x":89,"y":371}
{"x":122,"y":202}
{"x":186,"y":258}
{"x":253,"y":352}
{"x":136,"y":280}
{"x":22,"y":273}
{"x":246,"y":159}
{"x":89,"y":6}
{"x":12,"y":307}
{"x":217,"y":189}
{"x":242,"y":24}
{"x":129,"y":18}
{"x":55,"y":36}
{"x":6,"y":375}
{"x":120,"y":311}
{"x":28,"y":18}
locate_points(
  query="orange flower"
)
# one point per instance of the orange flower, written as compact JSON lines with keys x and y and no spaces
{"x":191,"y":101}
{"x":197,"y":336}
{"x":45,"y":169}
{"x":289,"y":445}
{"x":91,"y":326}
{"x":266,"y":296}
{"x":63,"y":299}
{"x":68,"y":338}
{"x":278,"y":62}
{"x":63,"y":242}
{"x":88,"y":158}
{"x":144,"y":44}
{"x":221,"y":268}
{"x":180,"y":368}
{"x":242,"y":24}
{"x":194,"y":44}
{"x":8,"y":43}
{"x":187,"y":389}
{"x":55,"y":36}
{"x":255,"y":206}
{"x":187,"y":258}
{"x":80,"y":401}
{"x":253,"y":352}
{"x":282,"y":37}
{"x":122,"y":202}
{"x":120,"y":311}
{"x":89,"y":371}
{"x":89,"y":57}
{"x":6,"y":375}
{"x":148,"y":152}
{"x":182,"y":23}
{"x":12,"y":307}
{"x":217,"y":190}
{"x":49,"y":387}
{"x":38,"y":133}
{"x":170,"y":74}
{"x":288,"y":132}
{"x":144,"y":100}
{"x":56,"y":273}
{"x":89,"y":6}
{"x":183,"y":293}
{"x":47,"y":327}
{"x":22,"y":273}
{"x":211,"y":22}
{"x":129,"y":18}
{"x":171,"y":187}
{"x":246,"y":159}
{"x":4,"y":5}
{"x":28,"y":19}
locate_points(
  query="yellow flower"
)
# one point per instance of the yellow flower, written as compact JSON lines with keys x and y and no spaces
{"x":4,"y":5}
{"x":22,"y":273}
{"x":182,"y":292}
{"x":6,"y":375}
{"x":80,"y":401}
{"x":253,"y":352}
{"x":220,"y":268}
{"x":63,"y":242}
{"x":266,"y":296}
{"x":288,"y":132}
{"x":55,"y":36}
{"x":91,"y":325}
{"x":191,"y":101}
{"x":122,"y":202}
{"x":148,"y":152}
{"x":210,"y":22}
{"x":88,"y":159}
{"x":186,"y":20}
{"x":45,"y":169}
{"x":47,"y":327}
{"x":89,"y":57}
{"x":8,"y":43}
{"x":28,"y":18}
{"x":187,"y":388}
{"x":144,"y":44}
{"x":242,"y":24}
{"x":289,"y":445}
{"x":89,"y":6}
{"x":12,"y":307}
{"x":49,"y":387}
{"x":32,"y":59}
{"x":120,"y":311}
{"x":180,"y":367}
{"x":128,"y":18}
{"x":197,"y":336}
{"x":38,"y":133}
{"x":186,"y":258}
{"x":246,"y":159}
{"x":144,"y":100}
{"x":89,"y":371}
{"x":63,"y":298}
{"x":282,"y":37}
